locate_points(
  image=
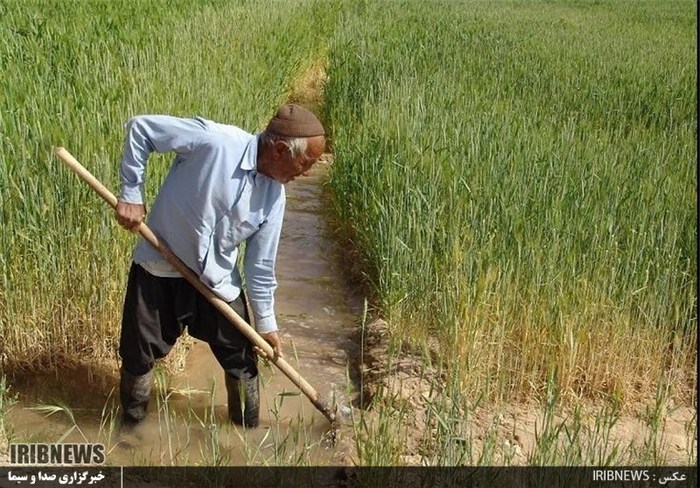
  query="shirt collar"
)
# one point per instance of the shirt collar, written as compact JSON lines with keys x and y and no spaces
{"x":250,"y":156}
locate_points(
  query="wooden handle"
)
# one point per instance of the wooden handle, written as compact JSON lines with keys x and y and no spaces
{"x":194,"y":280}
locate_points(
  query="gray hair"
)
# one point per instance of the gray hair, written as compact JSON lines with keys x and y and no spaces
{"x":296,"y":145}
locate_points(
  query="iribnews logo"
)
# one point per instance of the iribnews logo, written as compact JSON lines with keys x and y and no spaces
{"x":57,"y":454}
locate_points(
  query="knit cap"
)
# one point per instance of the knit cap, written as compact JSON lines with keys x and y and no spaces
{"x":294,"y":121}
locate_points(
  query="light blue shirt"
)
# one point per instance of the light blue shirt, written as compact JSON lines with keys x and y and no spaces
{"x":211,"y":200}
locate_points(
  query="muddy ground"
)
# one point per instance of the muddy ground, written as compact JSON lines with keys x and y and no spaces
{"x":514,"y":427}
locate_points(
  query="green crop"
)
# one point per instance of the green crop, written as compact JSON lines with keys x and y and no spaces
{"x":519,"y":180}
{"x":72,"y":74}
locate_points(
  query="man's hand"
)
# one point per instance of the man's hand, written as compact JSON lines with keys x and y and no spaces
{"x":130,"y":215}
{"x":273,"y":339}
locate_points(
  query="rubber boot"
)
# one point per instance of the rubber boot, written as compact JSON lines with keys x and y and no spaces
{"x":134,"y":393}
{"x":243,"y":401}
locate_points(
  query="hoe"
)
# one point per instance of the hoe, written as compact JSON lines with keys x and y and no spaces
{"x":194,"y":280}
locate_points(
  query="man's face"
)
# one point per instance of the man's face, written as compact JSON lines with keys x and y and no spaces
{"x":286,"y":168}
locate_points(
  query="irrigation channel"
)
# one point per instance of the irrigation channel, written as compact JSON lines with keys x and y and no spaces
{"x":187,"y":420}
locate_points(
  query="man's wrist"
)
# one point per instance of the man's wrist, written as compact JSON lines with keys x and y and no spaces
{"x":265,"y":325}
{"x":131,"y":194}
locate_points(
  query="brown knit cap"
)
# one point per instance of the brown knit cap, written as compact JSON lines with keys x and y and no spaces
{"x":294,"y":121}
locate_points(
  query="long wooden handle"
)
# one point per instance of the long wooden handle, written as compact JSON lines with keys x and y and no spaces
{"x":194,"y":280}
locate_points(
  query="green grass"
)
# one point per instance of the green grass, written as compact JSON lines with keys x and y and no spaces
{"x":517,"y":179}
{"x":522,"y":186}
{"x":73,"y":73}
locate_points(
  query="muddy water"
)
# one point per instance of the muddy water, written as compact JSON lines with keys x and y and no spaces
{"x":187,"y":421}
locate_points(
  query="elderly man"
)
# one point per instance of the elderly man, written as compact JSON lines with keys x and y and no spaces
{"x":225,"y":187}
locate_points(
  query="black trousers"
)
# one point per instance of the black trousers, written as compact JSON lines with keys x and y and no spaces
{"x":156,"y":312}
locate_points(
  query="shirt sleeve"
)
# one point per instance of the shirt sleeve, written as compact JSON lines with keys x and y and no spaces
{"x":153,"y":133}
{"x":259,"y":269}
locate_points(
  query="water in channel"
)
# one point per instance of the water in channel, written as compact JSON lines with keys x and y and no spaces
{"x":187,"y":421}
